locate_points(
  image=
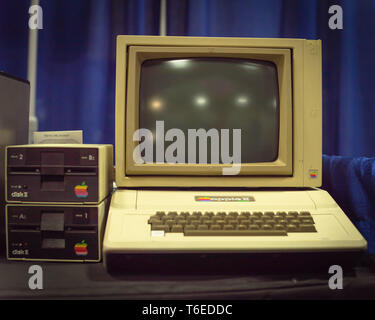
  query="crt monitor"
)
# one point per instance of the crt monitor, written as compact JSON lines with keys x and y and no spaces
{"x":214,"y":112}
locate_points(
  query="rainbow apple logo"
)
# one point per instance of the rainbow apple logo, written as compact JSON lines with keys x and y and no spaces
{"x":80,"y":248}
{"x":81,"y":190}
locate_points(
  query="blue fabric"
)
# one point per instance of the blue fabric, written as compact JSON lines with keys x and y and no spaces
{"x":351,"y":182}
{"x":14,"y":32}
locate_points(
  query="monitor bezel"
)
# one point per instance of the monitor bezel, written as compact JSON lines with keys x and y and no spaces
{"x":307,"y":114}
{"x":283,"y":165}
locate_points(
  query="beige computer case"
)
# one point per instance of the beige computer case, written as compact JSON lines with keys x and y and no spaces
{"x":105,"y":170}
{"x":102,"y":209}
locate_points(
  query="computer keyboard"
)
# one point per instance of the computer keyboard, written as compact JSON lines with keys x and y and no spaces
{"x":257,"y":223}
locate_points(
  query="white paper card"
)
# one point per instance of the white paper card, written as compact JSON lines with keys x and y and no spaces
{"x":63,"y":137}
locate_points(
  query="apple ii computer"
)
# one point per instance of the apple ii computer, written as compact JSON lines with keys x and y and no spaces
{"x":219,"y":155}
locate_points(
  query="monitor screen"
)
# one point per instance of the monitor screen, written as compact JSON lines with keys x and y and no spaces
{"x":214,"y":93}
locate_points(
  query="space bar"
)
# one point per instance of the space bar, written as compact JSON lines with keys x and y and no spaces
{"x":235,"y":233}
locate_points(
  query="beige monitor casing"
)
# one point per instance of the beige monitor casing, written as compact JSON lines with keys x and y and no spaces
{"x":299,"y":64}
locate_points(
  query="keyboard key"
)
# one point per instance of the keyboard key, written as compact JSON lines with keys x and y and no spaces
{"x":215,"y":227}
{"x":266,"y":227}
{"x":281,"y":214}
{"x":233,"y":214}
{"x":232,"y":222}
{"x":160,"y":213}
{"x":294,"y":221}
{"x":279,"y":227}
{"x":177,"y":228}
{"x":245,"y":222}
{"x":160,"y":227}
{"x":228,"y":227}
{"x":207,"y":221}
{"x":234,"y":233}
{"x":305,"y":214}
{"x":282,"y":221}
{"x":269,"y":214}
{"x":257,"y":214}
{"x":307,"y":220}
{"x":172,"y":214}
{"x":245,"y":214}
{"x":293,"y":214}
{"x":202,"y":227}
{"x":291,"y":228}
{"x":208,"y":214}
{"x":221,"y":214}
{"x":197,"y":214}
{"x":253,"y":227}
{"x":169,"y":222}
{"x":182,"y":221}
{"x":195,"y":222}
{"x":241,"y":227}
{"x":154,"y":220}
{"x":270,"y":222}
{"x":189,"y":227}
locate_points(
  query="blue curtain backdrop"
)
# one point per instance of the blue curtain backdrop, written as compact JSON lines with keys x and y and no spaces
{"x":14,"y":37}
{"x":77,"y":55}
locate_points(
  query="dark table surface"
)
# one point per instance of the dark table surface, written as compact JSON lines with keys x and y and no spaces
{"x":91,"y":281}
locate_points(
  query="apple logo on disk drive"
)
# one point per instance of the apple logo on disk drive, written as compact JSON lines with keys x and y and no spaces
{"x":81,"y":191}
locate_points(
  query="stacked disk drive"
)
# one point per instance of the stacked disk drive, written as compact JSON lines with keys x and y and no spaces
{"x":57,"y":198}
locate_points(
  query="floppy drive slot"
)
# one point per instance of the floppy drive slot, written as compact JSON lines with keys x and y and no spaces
{"x":52,"y":183}
{"x":52,"y":222}
{"x":80,"y":171}
{"x":52,"y":227}
{"x":32,"y":170}
{"x":53,"y":244}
